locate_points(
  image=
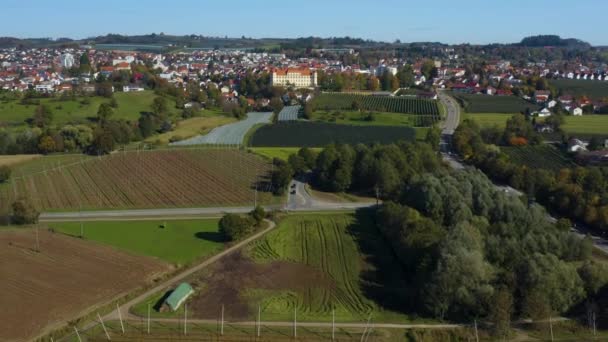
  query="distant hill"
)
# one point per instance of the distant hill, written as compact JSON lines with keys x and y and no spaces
{"x":553,"y":40}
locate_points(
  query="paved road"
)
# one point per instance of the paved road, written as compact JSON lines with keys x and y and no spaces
{"x":231,"y":134}
{"x":299,"y":199}
{"x":453,"y":113}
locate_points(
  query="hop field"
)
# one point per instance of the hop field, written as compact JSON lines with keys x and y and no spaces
{"x":538,"y":157}
{"x":172,"y":178}
{"x":316,"y":134}
{"x":493,"y":104}
{"x":427,"y":109}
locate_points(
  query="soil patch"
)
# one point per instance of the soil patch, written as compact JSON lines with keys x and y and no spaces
{"x":226,"y":281}
{"x":67,"y":277}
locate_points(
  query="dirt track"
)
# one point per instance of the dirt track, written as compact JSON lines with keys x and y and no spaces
{"x":41,"y":289}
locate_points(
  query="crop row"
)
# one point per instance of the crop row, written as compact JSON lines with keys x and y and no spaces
{"x":538,"y":157}
{"x":333,"y":101}
{"x":315,"y":134}
{"x":145,"y":180}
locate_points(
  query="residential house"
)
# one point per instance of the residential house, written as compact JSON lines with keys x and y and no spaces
{"x":576,"y":111}
{"x":132,"y":88}
{"x":542,"y":96}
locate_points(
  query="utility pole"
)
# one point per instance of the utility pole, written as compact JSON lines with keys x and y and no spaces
{"x":37,"y":241}
{"x":222,"y":324}
{"x":476,"y":332}
{"x":185,"y":319}
{"x":551,"y":327}
{"x":149,"y":318}
{"x":259,"y":319}
{"x":77,"y":334}
{"x":104,"y":327}
{"x":594,"y":330}
{"x":333,"y":324}
{"x":295,"y":324}
{"x":122,"y":326}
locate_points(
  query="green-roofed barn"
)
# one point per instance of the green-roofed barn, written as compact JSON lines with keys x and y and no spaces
{"x":179,"y":296}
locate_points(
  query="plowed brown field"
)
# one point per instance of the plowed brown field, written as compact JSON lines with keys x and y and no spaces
{"x":66,"y":278}
{"x":152,"y":179}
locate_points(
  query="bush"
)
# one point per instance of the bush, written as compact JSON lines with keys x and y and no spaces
{"x":24,"y":212}
{"x":5,"y":173}
{"x":258,"y":215}
{"x":234,"y":227}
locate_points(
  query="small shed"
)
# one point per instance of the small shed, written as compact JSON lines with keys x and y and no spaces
{"x":179,"y":296}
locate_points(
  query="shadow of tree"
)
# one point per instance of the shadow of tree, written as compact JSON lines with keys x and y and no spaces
{"x":384,"y":281}
{"x":211,"y":236}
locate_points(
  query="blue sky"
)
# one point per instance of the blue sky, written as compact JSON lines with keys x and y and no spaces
{"x":449,"y":21}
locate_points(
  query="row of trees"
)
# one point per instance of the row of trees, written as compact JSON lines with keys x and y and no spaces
{"x":580,"y":193}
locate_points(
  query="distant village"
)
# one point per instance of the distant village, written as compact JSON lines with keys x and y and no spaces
{"x":48,"y":70}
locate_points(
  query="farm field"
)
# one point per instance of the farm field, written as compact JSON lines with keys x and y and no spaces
{"x":231,"y":134}
{"x":63,"y":280}
{"x":538,"y":157}
{"x":587,"y":125}
{"x":289,"y":113}
{"x":130,"y":105}
{"x":12,"y":160}
{"x":338,"y":101}
{"x":312,"y":263}
{"x":150,"y":179}
{"x":473,"y":103}
{"x":379,"y":118}
{"x":488,"y":119}
{"x":593,"y":89}
{"x":278,"y":152}
{"x":175,"y":241}
{"x":191,"y":127}
{"x":316,"y":134}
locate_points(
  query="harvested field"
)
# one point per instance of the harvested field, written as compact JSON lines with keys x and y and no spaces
{"x":173,"y":178}
{"x":17,"y":159}
{"x":61,"y":282}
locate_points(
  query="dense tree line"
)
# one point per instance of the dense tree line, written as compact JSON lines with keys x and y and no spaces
{"x":468,"y":249}
{"x":580,"y":193}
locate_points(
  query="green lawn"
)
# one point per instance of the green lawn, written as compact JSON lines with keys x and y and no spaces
{"x":130,"y":105}
{"x":587,"y":124}
{"x":278,"y":152}
{"x":180,"y":242}
{"x":488,"y":119}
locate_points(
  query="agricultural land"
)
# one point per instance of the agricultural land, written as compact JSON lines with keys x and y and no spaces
{"x":596,"y":90}
{"x":175,"y":241}
{"x":315,"y":134}
{"x":542,"y":156}
{"x":63,"y":279}
{"x":493,"y":104}
{"x":337,"y":101}
{"x":81,"y":109}
{"x":189,"y":128}
{"x":314,"y":264}
{"x":150,"y":179}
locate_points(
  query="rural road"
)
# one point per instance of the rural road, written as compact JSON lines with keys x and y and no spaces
{"x":453,"y":115}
